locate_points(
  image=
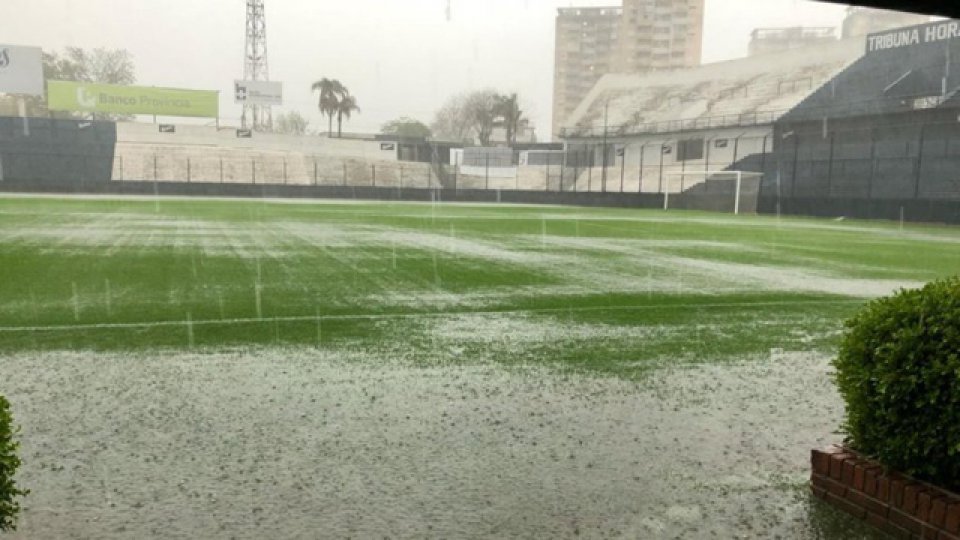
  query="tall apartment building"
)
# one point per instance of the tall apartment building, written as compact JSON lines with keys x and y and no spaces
{"x":585,"y":42}
{"x":640,"y":36}
{"x":769,"y":40}
{"x":861,"y":21}
{"x":659,"y":34}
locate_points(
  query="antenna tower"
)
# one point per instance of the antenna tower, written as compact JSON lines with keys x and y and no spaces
{"x":255,"y":66}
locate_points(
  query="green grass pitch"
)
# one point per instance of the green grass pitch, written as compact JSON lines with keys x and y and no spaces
{"x":608,"y":290}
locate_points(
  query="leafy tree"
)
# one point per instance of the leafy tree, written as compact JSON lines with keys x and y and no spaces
{"x":481,"y":111}
{"x":9,"y":462}
{"x":107,"y":66}
{"x":510,"y":116}
{"x":406,"y":127}
{"x":474,"y":115}
{"x":451,"y":122}
{"x":110,"y":66}
{"x":331,"y":92}
{"x":345,"y":107}
{"x":291,"y":123}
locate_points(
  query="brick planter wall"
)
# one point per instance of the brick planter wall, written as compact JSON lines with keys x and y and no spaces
{"x":900,"y":505}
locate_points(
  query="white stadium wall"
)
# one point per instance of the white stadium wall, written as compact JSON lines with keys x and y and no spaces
{"x":657,"y":156}
{"x":209,"y":154}
{"x":208,"y":136}
{"x":528,"y":178}
{"x":727,"y":148}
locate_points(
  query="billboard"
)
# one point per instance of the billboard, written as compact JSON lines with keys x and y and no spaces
{"x":258,"y":92}
{"x":21,"y":70}
{"x":118,"y":99}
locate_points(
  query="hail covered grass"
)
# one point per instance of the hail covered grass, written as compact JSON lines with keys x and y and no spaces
{"x":288,"y":442}
{"x":268,"y":368}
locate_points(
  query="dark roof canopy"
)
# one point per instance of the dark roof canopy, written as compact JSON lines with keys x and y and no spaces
{"x":946,"y":8}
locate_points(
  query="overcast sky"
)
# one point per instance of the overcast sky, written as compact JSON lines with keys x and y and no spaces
{"x":399,"y":57}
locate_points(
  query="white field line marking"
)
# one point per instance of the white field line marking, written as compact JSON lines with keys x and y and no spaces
{"x":437,"y":314}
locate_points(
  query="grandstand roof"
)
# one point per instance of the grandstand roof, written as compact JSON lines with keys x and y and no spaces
{"x":747,"y":91}
{"x":906,"y":75}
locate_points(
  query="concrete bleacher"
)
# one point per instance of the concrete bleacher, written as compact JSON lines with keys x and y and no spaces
{"x":135,"y":133}
{"x":771,"y":83}
{"x":145,"y":162}
{"x":211,"y":154}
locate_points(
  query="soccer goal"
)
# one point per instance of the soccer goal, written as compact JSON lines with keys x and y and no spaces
{"x":705,"y":189}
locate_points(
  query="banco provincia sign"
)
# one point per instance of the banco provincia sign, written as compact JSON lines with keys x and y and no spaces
{"x":121,"y":99}
{"x":913,"y":35}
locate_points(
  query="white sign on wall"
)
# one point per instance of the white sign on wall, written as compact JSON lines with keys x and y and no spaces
{"x":258,"y":92}
{"x":21,"y":70}
{"x":914,"y":35}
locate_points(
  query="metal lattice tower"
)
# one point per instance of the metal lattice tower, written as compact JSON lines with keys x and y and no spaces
{"x":255,"y":66}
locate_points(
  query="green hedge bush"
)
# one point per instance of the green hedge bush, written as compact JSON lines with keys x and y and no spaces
{"x":9,"y":462}
{"x":899,"y":372}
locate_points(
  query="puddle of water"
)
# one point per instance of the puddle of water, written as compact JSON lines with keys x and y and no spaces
{"x":286,"y":443}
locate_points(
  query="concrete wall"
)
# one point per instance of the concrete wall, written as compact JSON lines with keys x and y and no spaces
{"x":41,"y":149}
{"x":44,"y":150}
{"x":911,"y":210}
{"x":209,"y":154}
{"x":888,"y":156}
{"x":531,"y":178}
{"x":149,"y":162}
{"x":343,"y":192}
{"x":651,"y":164}
{"x":208,"y":136}
{"x":489,"y":156}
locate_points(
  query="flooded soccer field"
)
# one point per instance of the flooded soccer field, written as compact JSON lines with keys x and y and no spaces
{"x":265,"y":368}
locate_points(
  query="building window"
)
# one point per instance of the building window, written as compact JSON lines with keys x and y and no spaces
{"x":720,"y":143}
{"x":690,"y":149}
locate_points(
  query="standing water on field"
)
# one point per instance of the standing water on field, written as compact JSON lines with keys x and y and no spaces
{"x":273,"y":369}
{"x":285,"y":442}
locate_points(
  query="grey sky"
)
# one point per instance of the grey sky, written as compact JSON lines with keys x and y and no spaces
{"x":399,"y":57}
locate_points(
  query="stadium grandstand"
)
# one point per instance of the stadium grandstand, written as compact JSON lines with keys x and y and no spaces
{"x":646,"y":132}
{"x":881,"y":139}
{"x":863,"y":127}
{"x":860,"y":127}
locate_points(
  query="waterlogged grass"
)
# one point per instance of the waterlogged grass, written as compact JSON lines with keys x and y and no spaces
{"x":284,"y":357}
{"x":609,"y":290}
{"x":272,"y":442}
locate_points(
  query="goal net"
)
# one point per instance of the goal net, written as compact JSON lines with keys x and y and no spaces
{"x":722,"y":191}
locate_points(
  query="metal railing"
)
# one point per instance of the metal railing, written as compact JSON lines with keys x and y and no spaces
{"x":675,"y":126}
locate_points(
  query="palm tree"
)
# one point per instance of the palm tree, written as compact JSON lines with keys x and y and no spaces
{"x":345,"y":108}
{"x":508,"y":108}
{"x":331,"y":91}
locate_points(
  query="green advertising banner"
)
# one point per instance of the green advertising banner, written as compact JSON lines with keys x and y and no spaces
{"x":117,"y":99}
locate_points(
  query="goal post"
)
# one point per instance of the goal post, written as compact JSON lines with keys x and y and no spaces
{"x":730,"y":182}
